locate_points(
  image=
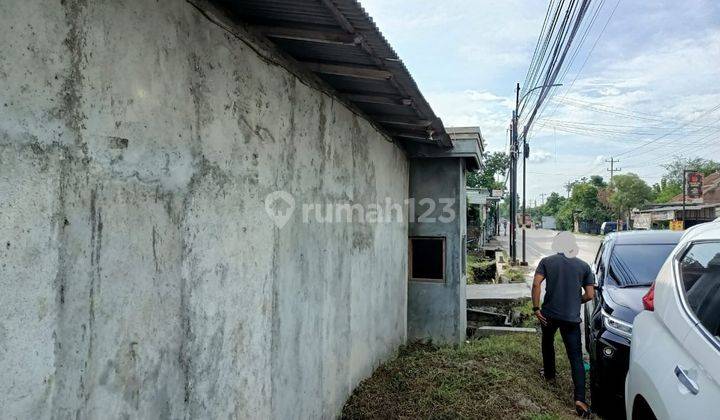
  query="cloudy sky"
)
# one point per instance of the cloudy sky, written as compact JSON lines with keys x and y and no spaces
{"x":644,"y":85}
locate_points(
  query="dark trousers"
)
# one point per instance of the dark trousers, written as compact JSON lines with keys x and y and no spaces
{"x":570,"y":332}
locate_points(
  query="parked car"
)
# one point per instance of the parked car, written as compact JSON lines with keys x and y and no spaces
{"x":675,"y":356}
{"x":608,"y":227}
{"x":625,"y":266}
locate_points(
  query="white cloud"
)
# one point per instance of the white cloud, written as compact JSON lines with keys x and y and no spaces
{"x":467,"y":55}
{"x":475,"y":108}
{"x":539,"y":155}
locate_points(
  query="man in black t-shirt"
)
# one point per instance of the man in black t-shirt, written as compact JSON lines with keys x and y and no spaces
{"x":569,"y":284}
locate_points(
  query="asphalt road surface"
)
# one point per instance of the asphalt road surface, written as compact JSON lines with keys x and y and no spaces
{"x":539,"y":243}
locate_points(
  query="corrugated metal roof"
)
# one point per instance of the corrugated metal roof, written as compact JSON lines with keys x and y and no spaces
{"x":340,"y":43}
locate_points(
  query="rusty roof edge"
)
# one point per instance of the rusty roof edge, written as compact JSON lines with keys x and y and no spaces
{"x":440,"y":134}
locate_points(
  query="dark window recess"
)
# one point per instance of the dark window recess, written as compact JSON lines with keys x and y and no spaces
{"x":427,"y":259}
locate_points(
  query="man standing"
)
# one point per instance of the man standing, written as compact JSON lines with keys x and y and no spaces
{"x":570,"y":283}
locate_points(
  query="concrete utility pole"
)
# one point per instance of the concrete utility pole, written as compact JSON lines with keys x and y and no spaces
{"x":684,"y":187}
{"x":514,"y":152}
{"x":612,"y":169}
{"x":526,"y":152}
{"x":513,"y":178}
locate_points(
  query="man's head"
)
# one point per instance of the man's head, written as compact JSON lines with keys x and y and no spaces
{"x":565,"y":243}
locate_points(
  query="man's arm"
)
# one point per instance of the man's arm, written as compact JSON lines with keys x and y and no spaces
{"x":588,"y":286}
{"x":589,"y":293}
{"x":536,"y":289}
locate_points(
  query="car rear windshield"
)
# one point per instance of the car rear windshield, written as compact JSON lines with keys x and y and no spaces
{"x":637,"y":265}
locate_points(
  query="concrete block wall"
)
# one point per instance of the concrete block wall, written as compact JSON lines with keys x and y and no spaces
{"x":140,"y":275}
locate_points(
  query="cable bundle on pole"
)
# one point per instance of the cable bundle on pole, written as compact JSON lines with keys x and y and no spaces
{"x":548,"y":63}
{"x":561,"y":25}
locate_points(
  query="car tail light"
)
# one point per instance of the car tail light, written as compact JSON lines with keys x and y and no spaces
{"x":649,"y":299}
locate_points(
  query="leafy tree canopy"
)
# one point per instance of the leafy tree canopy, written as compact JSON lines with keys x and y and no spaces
{"x":552,"y":204}
{"x":674,"y":171}
{"x":494,"y":164}
{"x":671,"y":182}
{"x":665,"y":190}
{"x":584,"y":202}
{"x":629,"y":192}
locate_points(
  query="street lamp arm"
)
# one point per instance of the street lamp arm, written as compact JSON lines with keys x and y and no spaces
{"x":536,"y":88}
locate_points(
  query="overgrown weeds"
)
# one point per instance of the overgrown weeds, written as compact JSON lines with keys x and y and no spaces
{"x":480,"y":269}
{"x":490,"y":378}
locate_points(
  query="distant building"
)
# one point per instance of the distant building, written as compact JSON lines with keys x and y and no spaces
{"x":658,"y":216}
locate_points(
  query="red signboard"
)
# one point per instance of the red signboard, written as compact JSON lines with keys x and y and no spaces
{"x":694,"y":187}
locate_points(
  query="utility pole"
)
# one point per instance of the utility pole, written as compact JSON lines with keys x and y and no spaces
{"x":542,"y":198}
{"x":685,"y":174}
{"x":513,"y":178}
{"x":685,"y":171}
{"x":612,"y":169}
{"x":514,"y":152}
{"x":511,"y":213}
{"x":526,"y":152}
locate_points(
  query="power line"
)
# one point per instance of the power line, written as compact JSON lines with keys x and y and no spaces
{"x":715,"y":108}
{"x":559,"y":54}
{"x":612,"y":13}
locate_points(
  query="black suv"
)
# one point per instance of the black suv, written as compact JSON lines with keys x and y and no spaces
{"x":625,"y":266}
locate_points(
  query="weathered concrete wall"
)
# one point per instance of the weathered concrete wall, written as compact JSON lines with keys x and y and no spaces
{"x":437,"y":310}
{"x":140,"y":275}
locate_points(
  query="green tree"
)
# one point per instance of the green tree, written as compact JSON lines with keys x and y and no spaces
{"x":665,"y":190}
{"x":552,"y":204}
{"x":583,"y":203}
{"x":598,"y":181}
{"x":671,"y":182}
{"x":629,"y":192}
{"x":493,"y":164}
{"x":674,"y":170}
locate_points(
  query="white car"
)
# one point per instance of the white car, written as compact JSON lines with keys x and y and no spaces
{"x":675,"y":353}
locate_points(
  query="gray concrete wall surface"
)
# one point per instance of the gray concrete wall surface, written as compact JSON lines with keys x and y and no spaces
{"x":140,"y":274}
{"x":436,"y":310}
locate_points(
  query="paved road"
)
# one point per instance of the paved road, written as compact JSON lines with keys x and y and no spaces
{"x":539,"y":243}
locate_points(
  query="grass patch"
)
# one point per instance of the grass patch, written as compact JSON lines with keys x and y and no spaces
{"x":515,"y":274}
{"x":480,"y":270}
{"x":494,"y":378}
